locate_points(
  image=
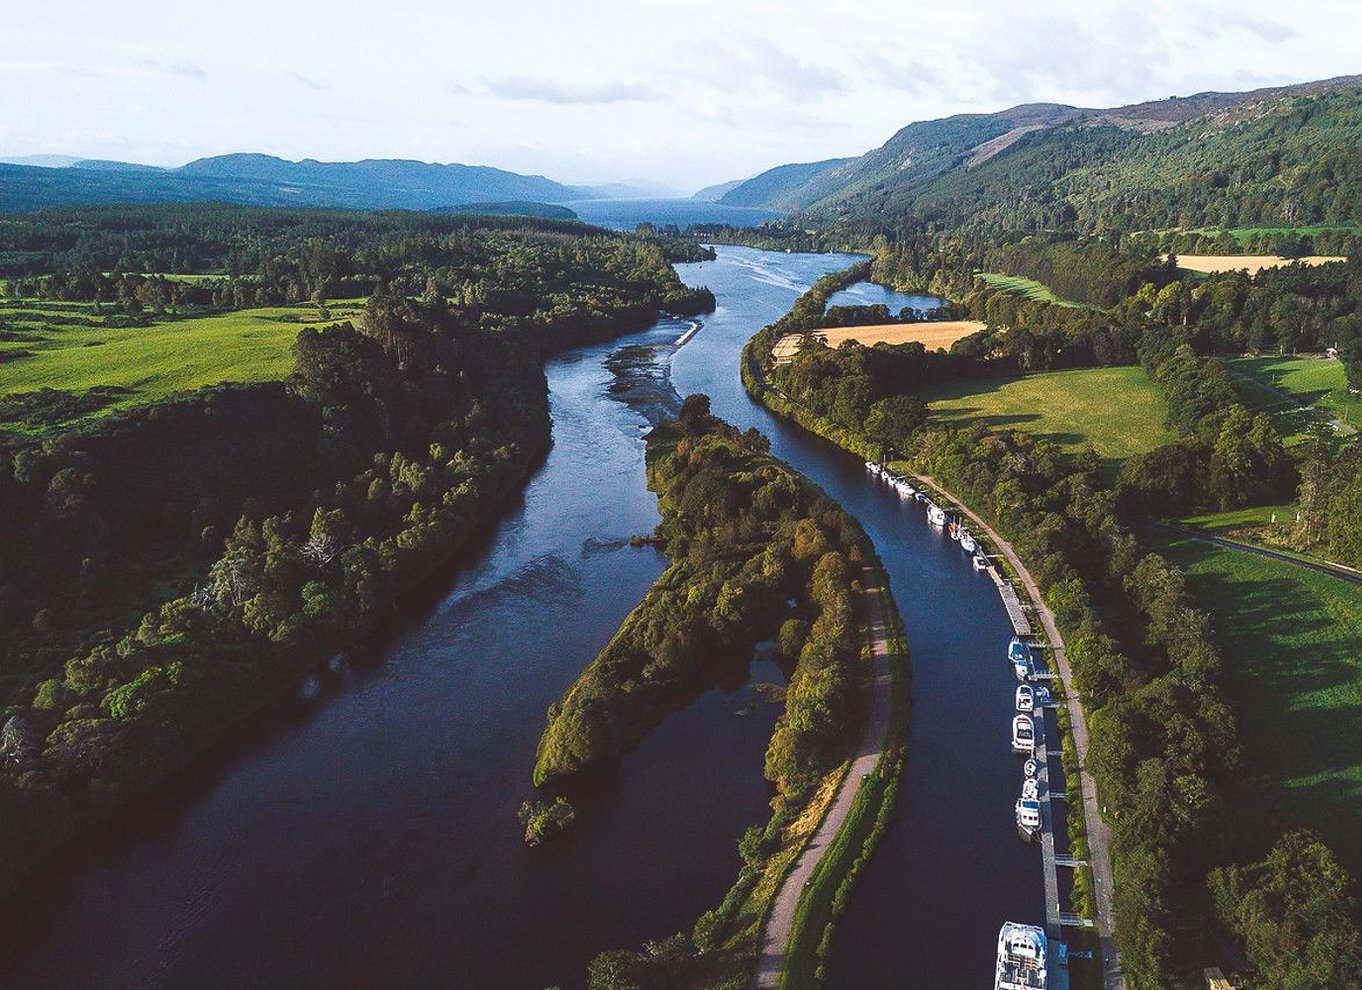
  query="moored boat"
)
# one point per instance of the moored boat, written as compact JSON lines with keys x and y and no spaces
{"x":1021,"y":963}
{"x":1023,"y":735}
{"x":1030,"y":789}
{"x":935,"y":514}
{"x":1023,"y":668}
{"x":1028,"y":818}
{"x":1026,"y":698}
{"x":967,"y":543}
{"x":1031,"y":768}
{"x":980,"y":562}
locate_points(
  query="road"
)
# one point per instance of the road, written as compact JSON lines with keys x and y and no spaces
{"x":1099,"y":835}
{"x":1333,"y":570}
{"x":775,"y":936}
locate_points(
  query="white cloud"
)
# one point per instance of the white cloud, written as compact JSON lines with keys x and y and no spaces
{"x":685,"y":91}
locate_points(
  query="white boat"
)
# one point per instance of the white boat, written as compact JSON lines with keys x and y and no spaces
{"x":1028,"y":818}
{"x":1023,"y":735}
{"x":1026,"y":698}
{"x":870,"y":466}
{"x":980,"y":562}
{"x":1031,"y":769}
{"x":1021,"y":958}
{"x":1017,"y":650}
{"x":967,"y":543}
{"x":1030,"y":789}
{"x":935,"y":514}
{"x":1023,"y":668}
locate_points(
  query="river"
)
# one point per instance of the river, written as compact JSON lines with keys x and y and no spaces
{"x":363,"y":834}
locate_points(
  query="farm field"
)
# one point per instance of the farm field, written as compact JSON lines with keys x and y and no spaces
{"x":65,"y":346}
{"x":1028,"y":288}
{"x":1292,"y":640}
{"x":1317,"y":381}
{"x":1252,"y":263}
{"x":1116,"y":410}
{"x":934,"y":335}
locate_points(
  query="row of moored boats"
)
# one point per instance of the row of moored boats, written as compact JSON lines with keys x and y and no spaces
{"x":1022,"y":949}
{"x":936,"y":515}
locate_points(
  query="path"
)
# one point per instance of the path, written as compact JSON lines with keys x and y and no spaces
{"x":1099,"y":835}
{"x":1281,"y":393}
{"x":1333,"y":570}
{"x":775,"y":936}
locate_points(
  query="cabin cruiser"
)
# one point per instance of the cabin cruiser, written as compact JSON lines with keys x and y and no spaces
{"x":935,"y":514}
{"x":1031,"y":768}
{"x":967,"y":543}
{"x":1021,"y":958}
{"x":980,"y":562}
{"x":1023,"y":735}
{"x":1017,"y":650}
{"x":1026,"y":698}
{"x":1023,"y":668}
{"x":1028,"y":818}
{"x":1030,"y":789}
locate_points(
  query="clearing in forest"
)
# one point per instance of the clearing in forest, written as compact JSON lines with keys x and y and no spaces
{"x":1118,"y":411}
{"x":1209,"y":264}
{"x":932,"y":334}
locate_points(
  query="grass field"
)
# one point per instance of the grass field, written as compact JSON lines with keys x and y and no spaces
{"x":1293,"y":645}
{"x":1252,"y":263}
{"x":932,"y":334}
{"x":1317,"y":381}
{"x":1027,"y":287}
{"x":65,"y":346}
{"x":1116,"y":410}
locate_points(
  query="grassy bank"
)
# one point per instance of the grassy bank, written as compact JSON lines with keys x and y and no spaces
{"x":1319,"y":382}
{"x":1027,"y":288}
{"x":828,"y":894}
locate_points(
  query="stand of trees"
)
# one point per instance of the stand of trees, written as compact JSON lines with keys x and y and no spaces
{"x":747,"y":537}
{"x":284,"y":516}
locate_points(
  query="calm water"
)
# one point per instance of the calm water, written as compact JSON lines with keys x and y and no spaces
{"x":870,"y":294}
{"x":626,"y":214}
{"x":365,"y":834}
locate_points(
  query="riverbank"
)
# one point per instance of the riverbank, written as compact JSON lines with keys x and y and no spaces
{"x":1098,"y":838}
{"x":797,"y":932}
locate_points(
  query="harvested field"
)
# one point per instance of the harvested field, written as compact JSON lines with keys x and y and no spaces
{"x":934,"y":335}
{"x":1253,"y":263}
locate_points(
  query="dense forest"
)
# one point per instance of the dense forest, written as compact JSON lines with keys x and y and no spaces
{"x":169,"y":567}
{"x":1164,"y":744}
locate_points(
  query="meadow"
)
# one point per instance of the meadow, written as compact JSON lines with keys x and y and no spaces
{"x":1292,"y":640}
{"x":1117,"y":411}
{"x":932,"y":334}
{"x":1208,"y":264}
{"x":1027,"y":288}
{"x":66,"y":346}
{"x":1320,"y":382}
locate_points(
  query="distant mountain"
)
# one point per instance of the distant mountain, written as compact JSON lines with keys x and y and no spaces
{"x":545,"y":211}
{"x":781,"y":188}
{"x":712,"y":194}
{"x":268,"y":181}
{"x":40,"y":161}
{"x":1289,"y":154}
{"x":104,"y":165}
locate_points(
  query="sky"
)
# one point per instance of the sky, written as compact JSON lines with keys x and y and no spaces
{"x":677,"y":94}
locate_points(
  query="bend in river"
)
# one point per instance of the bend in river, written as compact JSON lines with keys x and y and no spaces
{"x":365,"y":834}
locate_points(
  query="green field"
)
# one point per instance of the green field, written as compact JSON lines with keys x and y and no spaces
{"x":65,"y":346}
{"x":1293,"y":648}
{"x":1317,"y":381}
{"x":1116,"y":410}
{"x":1026,"y":287}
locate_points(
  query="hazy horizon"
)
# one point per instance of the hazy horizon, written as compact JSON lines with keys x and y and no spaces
{"x":669,"y":94}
